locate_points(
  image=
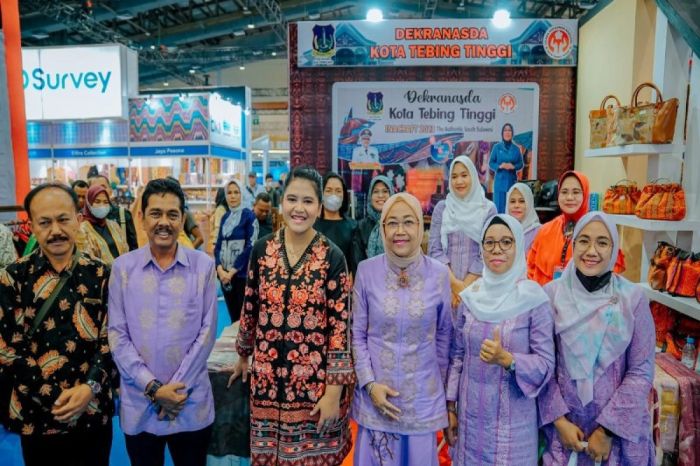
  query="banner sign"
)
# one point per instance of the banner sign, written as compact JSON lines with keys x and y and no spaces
{"x":468,"y":42}
{"x":76,"y":83}
{"x":169,"y":151}
{"x":225,"y":122}
{"x":410,"y":131}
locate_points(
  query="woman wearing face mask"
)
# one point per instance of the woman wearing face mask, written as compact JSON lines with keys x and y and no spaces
{"x":402,"y":328}
{"x":551,"y":249}
{"x":521,"y":205}
{"x":237,"y":234}
{"x":295,"y":324}
{"x":367,"y":241}
{"x":99,"y":236}
{"x":333,"y":221}
{"x":455,"y":230}
{"x":505,"y":161}
{"x":501,"y":357}
{"x":605,"y":343}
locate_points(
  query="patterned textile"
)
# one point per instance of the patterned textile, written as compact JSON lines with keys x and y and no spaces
{"x":91,"y":241}
{"x":295,"y":323}
{"x":69,"y":347}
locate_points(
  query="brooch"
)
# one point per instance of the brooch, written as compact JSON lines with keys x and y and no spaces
{"x":403,"y":279}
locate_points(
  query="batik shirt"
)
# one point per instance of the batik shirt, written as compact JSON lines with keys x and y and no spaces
{"x":69,"y":347}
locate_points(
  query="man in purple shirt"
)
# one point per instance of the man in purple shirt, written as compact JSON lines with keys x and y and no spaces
{"x":162,"y":325}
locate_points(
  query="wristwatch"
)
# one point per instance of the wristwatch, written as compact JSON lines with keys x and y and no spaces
{"x":511,"y":368}
{"x":95,"y":386}
{"x":152,"y":388}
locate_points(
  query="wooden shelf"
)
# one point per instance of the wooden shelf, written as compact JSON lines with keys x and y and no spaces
{"x":635,"y":149}
{"x":655,"y":225}
{"x":688,"y":306}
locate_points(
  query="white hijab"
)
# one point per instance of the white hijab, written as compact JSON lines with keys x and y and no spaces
{"x":596,"y":328}
{"x":530,"y":221}
{"x":498,"y":297}
{"x":467,"y":214}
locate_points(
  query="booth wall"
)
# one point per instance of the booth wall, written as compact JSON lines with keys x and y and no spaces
{"x":616,"y":50}
{"x":310,"y":105}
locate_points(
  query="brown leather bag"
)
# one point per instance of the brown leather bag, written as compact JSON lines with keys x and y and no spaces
{"x":659,"y":264}
{"x":621,"y":198}
{"x":648,"y":123}
{"x":683,"y":275}
{"x":601,"y":121}
{"x":661,"y":202}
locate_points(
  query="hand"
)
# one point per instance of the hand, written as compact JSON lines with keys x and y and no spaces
{"x":451,"y":431}
{"x":493,"y":353}
{"x":223,"y":276}
{"x":457,"y":286}
{"x":329,"y":408}
{"x":456,"y":300}
{"x":169,"y":399}
{"x":599,"y":445}
{"x":569,"y":434}
{"x":379,"y":395}
{"x":240,"y":369}
{"x":169,"y":413}
{"x":72,"y":403}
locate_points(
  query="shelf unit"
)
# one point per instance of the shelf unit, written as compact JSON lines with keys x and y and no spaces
{"x":688,"y":306}
{"x":635,"y":149}
{"x":633,"y":221}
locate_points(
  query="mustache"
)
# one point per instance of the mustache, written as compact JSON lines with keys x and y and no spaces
{"x":56,"y":239}
{"x":163,"y":229}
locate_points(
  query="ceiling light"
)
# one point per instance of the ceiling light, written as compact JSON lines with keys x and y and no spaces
{"x":246,"y":11}
{"x":257,"y":52}
{"x":461,"y":6}
{"x":587,"y":4}
{"x":274,"y":54}
{"x":251,"y":26}
{"x":192,"y":71}
{"x":501,"y":18}
{"x":153,"y":47}
{"x":314,"y":15}
{"x":125,"y":15}
{"x":375,"y":15}
{"x":241,"y":67}
{"x":40,"y":34}
{"x":166,"y":84}
{"x":239,"y":33}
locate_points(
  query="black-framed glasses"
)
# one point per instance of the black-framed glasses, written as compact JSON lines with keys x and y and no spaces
{"x":504,"y":243}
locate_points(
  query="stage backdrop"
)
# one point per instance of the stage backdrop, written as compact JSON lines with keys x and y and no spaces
{"x":312,"y":141}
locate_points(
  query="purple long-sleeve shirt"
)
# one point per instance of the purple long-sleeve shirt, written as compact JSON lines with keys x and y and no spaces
{"x":462,"y":254}
{"x":162,"y":325}
{"x":497,"y":409}
{"x":620,"y":399}
{"x":401,"y":338}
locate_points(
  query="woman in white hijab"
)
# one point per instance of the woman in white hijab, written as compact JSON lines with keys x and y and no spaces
{"x":596,"y":406}
{"x":521,"y":204}
{"x":502,"y":356}
{"x":456,"y":224}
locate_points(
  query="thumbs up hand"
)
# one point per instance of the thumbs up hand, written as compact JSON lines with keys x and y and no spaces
{"x":493,"y":353}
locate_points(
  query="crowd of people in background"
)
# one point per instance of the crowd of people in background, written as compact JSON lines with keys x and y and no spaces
{"x":496,"y":330}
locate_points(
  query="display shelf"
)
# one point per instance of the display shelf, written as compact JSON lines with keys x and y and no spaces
{"x":655,"y":225}
{"x":688,"y":306}
{"x":635,"y":149}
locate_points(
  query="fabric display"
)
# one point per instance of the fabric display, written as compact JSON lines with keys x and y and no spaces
{"x":601,"y":120}
{"x":622,"y":198}
{"x":672,"y":329}
{"x":636,"y":123}
{"x":676,"y":412}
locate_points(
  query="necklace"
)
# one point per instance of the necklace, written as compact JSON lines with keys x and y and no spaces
{"x":294,"y":254}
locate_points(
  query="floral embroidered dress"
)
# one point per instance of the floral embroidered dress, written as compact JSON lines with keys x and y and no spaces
{"x":295,"y":323}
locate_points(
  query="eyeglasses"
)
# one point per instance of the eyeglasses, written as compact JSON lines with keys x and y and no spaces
{"x":504,"y":243}
{"x":600,"y":244}
{"x":393,"y":225}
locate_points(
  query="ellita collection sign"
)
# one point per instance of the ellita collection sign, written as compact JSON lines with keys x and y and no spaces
{"x":62,"y":83}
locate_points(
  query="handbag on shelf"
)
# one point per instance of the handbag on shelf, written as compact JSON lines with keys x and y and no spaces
{"x":683,"y":275}
{"x":661,"y":202}
{"x":621,"y":198}
{"x":659,"y":264}
{"x":601,"y":120}
{"x":648,"y":123}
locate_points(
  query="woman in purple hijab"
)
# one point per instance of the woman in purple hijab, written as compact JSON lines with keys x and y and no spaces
{"x":596,"y":408}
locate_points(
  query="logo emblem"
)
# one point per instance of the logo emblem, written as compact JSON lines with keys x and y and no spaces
{"x":507,"y":103}
{"x":375,"y":103}
{"x":324,"y":41}
{"x":557,"y":42}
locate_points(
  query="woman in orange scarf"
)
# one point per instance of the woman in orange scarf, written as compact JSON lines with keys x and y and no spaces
{"x":551,"y":249}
